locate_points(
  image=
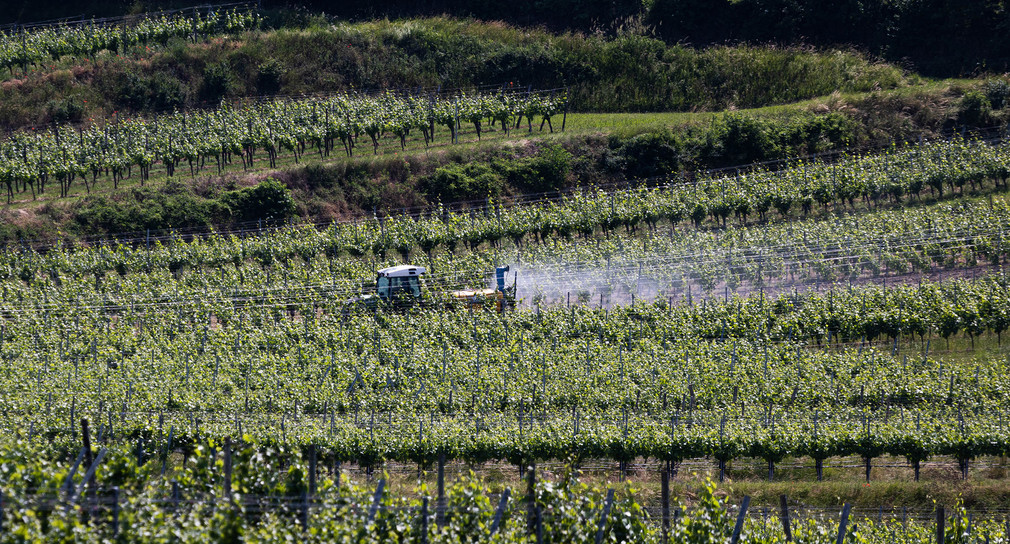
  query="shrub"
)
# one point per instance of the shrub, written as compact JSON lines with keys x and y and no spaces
{"x":998,"y":93}
{"x":142,"y":209}
{"x":269,"y":200}
{"x":975,"y":109}
{"x":66,"y":110}
{"x":133,"y":91}
{"x":216,"y":82}
{"x":817,"y":134}
{"x":159,"y":92}
{"x":646,"y":155}
{"x":737,"y":139}
{"x":166,"y":92}
{"x":545,"y":171}
{"x":454,"y":182}
{"x":268,"y":77}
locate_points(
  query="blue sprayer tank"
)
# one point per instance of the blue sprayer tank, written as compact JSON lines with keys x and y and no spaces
{"x":499,"y":274}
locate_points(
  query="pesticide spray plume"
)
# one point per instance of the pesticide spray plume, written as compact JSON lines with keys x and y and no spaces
{"x":675,"y":280}
{"x":571,"y":283}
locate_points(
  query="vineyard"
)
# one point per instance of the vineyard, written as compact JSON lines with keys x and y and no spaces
{"x":412,"y":387}
{"x":39,"y":45}
{"x":835,"y":320}
{"x":593,"y":244}
{"x":299,"y":506}
{"x":169,"y":332}
{"x":170,"y":346}
{"x":30,"y":160}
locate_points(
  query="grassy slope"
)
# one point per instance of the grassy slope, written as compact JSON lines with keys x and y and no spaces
{"x":628,"y":73}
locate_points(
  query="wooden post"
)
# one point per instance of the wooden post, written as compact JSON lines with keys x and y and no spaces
{"x":531,"y":498}
{"x":440,"y":506}
{"x":227,"y":468}
{"x":376,"y":500}
{"x":940,"y":518}
{"x":843,"y":523}
{"x":500,"y":511}
{"x":67,"y":486}
{"x":603,"y":516}
{"x":312,"y":469}
{"x":176,"y":496}
{"x":90,"y":474}
{"x":303,"y":508}
{"x":88,"y":482}
{"x":424,"y":520}
{"x":666,"y":501}
{"x":139,"y":451}
{"x":784,"y":505}
{"x":740,"y":519}
{"x":564,"y":116}
{"x":540,"y":525}
{"x":168,"y":450}
{"x":86,"y":439}
{"x":115,"y":511}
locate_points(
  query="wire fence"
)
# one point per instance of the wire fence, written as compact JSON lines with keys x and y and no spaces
{"x":423,"y":515}
{"x":176,"y":432}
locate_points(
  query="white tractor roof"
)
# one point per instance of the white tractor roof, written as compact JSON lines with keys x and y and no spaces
{"x":403,"y":270}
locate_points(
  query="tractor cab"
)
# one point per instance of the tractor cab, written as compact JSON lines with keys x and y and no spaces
{"x":399,"y":284}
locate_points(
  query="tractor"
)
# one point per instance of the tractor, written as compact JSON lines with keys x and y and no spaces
{"x":400,"y":287}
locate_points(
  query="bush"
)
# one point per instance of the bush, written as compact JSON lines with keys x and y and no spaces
{"x":737,"y":139}
{"x":645,"y":155}
{"x":166,"y":92}
{"x":216,"y":82}
{"x":471,"y":181}
{"x":998,"y":93}
{"x":628,"y":73}
{"x":141,"y":209}
{"x":66,"y":110}
{"x":976,"y":110}
{"x":818,"y":134}
{"x":269,"y":200}
{"x":160,"y":92}
{"x":545,"y":171}
{"x":133,"y":91}
{"x":268,"y":77}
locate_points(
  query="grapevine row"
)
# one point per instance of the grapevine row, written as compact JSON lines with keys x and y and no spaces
{"x":40,"y":46}
{"x":275,"y":494}
{"x":30,"y":160}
